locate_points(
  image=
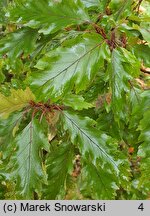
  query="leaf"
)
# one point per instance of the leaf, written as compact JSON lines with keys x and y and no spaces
{"x":76,"y":102}
{"x":93,"y":144}
{"x":99,"y":152}
{"x":72,"y":65}
{"x":140,"y":51}
{"x":101,"y":4}
{"x":106,"y":122}
{"x":144,"y":152}
{"x":2,"y":13}
{"x":88,"y":3}
{"x":49,"y":17}
{"x":146,"y":34}
{"x":123,"y":8}
{"x":144,"y":137}
{"x":131,"y":63}
{"x":27,"y":161}
{"x":140,"y":18}
{"x":140,"y":103}
{"x":15,"y":102}
{"x":6,"y":132}
{"x":124,"y":67}
{"x":59,"y":164}
{"x":144,"y":30}
{"x":19,"y":42}
{"x":139,"y":123}
{"x":2,"y":77}
{"x":97,"y":182}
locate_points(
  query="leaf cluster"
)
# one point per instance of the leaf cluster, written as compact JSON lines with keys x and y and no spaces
{"x":74,"y":99}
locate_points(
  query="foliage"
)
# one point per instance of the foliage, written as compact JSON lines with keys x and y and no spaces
{"x":74,"y":99}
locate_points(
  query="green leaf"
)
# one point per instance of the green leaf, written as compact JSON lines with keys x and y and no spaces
{"x":19,"y":42}
{"x":101,"y":4}
{"x":106,"y":122}
{"x":15,"y":102}
{"x":7,"y":134}
{"x":27,"y":160}
{"x":144,"y":30}
{"x":139,"y":123}
{"x":99,"y":152}
{"x":121,"y":7}
{"x":2,"y":13}
{"x":119,"y":84}
{"x":2,"y":77}
{"x":89,"y":3}
{"x":131,"y":63}
{"x":144,"y":137}
{"x":144,"y":179}
{"x":74,"y":64}
{"x":139,"y":19}
{"x":146,"y":34}
{"x":59,"y":164}
{"x":97,"y":182}
{"x":124,"y":67}
{"x":76,"y":102}
{"x":93,"y":144}
{"x":49,"y":17}
{"x":140,"y":103}
{"x":141,"y":51}
{"x":144,"y":153}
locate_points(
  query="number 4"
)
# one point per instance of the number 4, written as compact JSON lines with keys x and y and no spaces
{"x":141,"y":207}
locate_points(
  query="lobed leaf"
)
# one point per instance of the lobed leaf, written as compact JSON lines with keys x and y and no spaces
{"x":123,"y":68}
{"x":27,"y":169}
{"x":74,"y":64}
{"x":93,"y":144}
{"x":101,"y":158}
